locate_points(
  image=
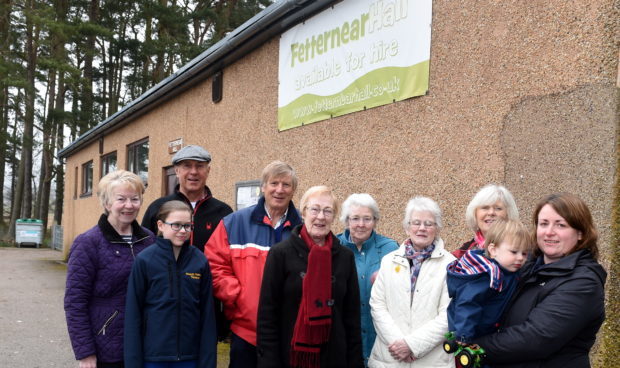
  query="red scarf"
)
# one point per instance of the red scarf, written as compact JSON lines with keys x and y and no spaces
{"x":314,"y":319}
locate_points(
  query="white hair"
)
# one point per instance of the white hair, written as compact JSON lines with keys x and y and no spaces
{"x":359,"y":200}
{"x":422,"y":204}
{"x":487,"y":196}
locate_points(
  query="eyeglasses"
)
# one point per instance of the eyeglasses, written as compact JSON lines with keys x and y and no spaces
{"x":418,"y":223}
{"x":176,"y":226}
{"x":364,"y":220}
{"x":328,"y":212}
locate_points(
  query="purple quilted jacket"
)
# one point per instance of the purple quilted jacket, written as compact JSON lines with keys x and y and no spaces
{"x":99,"y":267}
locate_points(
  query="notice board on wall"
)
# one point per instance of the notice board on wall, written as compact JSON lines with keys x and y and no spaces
{"x":355,"y":55}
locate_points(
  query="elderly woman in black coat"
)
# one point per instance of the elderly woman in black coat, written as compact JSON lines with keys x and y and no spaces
{"x":309,"y":309}
{"x":555,"y":316}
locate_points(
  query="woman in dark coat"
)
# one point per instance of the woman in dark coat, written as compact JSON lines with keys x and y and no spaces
{"x":98,"y":269}
{"x":309,"y":309}
{"x":554,"y":318}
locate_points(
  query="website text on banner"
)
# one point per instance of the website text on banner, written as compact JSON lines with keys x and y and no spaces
{"x":356,"y":55}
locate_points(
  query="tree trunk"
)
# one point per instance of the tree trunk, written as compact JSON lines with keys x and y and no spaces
{"x":60,"y":168}
{"x":17,"y":180}
{"x":105,"y":96}
{"x":5,"y":22}
{"x":54,"y":120}
{"x":4,"y":119}
{"x":14,"y":161}
{"x":163,"y":37}
{"x":146,"y":65}
{"x":24,"y":180}
{"x":87,"y":116}
{"x":47,"y":133}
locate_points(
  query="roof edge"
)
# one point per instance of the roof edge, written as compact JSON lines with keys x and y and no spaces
{"x":275,"y":19}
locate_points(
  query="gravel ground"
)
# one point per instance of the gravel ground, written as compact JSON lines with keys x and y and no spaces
{"x":33,"y":332}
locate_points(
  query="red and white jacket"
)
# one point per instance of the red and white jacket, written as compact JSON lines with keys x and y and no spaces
{"x":237,"y":252}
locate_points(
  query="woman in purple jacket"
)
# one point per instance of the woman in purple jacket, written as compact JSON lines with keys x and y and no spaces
{"x":99,"y":265}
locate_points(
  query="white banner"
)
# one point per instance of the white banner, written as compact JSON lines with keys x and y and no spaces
{"x":356,"y":55}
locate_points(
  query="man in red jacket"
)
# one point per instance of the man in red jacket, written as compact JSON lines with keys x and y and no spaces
{"x":237,"y":252}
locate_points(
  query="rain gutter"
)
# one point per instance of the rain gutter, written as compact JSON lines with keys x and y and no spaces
{"x":272,"y":21}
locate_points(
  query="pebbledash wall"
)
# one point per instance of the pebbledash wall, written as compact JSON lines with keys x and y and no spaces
{"x":521,"y":93}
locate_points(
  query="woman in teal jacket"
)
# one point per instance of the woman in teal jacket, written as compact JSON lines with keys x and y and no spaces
{"x":360,"y":215}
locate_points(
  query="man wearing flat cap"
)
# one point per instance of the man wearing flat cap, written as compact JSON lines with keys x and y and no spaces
{"x":191,"y":165}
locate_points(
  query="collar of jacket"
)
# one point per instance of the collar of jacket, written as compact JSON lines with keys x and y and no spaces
{"x":110,"y":234}
{"x":258,"y":214}
{"x":567,"y":265}
{"x":208,"y":194}
{"x":399,"y":254}
{"x":166,"y":244}
{"x":302,"y":247}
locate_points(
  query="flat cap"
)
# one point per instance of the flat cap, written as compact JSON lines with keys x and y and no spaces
{"x":191,"y":152}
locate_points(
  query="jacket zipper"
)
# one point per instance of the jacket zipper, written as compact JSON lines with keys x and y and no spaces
{"x":107,"y":323}
{"x":191,"y":235}
{"x":130,"y":245}
{"x":170,"y":281}
{"x":178,"y":274}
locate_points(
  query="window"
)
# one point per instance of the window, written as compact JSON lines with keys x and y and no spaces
{"x":138,"y":159}
{"x":170,"y":180}
{"x":75,"y":183}
{"x":108,"y":163}
{"x":87,"y":178}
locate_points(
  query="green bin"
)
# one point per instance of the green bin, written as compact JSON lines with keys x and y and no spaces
{"x":29,"y":231}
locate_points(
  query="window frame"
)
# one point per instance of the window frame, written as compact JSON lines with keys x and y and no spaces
{"x":104,"y":160}
{"x":132,"y":158}
{"x":87,"y":168}
{"x":76,"y":184}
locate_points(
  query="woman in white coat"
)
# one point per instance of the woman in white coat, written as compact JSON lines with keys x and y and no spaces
{"x":410,"y":297}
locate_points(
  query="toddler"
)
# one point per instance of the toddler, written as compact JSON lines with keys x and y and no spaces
{"x":482,"y":282}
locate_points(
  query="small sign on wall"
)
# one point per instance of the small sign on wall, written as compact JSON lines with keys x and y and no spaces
{"x":247,"y":193}
{"x":175,"y":145}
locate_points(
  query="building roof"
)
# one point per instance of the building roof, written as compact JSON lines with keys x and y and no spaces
{"x":275,"y":19}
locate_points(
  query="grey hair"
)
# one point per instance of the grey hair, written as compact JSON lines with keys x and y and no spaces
{"x":359,"y":200}
{"x":277,"y":169}
{"x":420,"y":204}
{"x":487,"y":196}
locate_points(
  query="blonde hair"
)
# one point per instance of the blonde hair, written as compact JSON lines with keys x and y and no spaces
{"x":512,"y":231}
{"x":115,"y":179}
{"x":316,"y":191}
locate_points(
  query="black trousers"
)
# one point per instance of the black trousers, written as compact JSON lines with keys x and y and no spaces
{"x":242,"y":353}
{"x":110,"y":365}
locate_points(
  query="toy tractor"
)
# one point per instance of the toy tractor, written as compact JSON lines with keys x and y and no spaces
{"x":468,"y":356}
